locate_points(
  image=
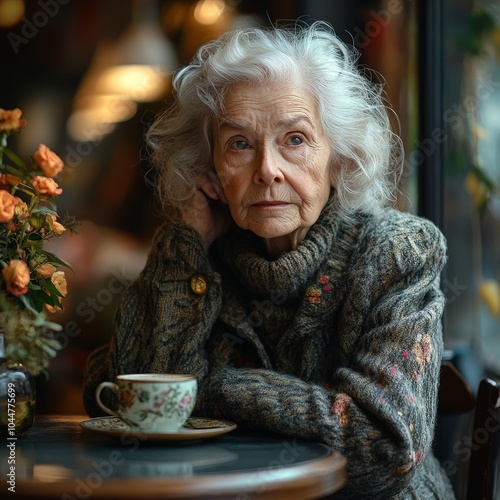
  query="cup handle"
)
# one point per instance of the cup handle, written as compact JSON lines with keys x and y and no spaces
{"x":100,"y":387}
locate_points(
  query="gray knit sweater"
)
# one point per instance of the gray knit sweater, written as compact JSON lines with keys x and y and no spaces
{"x":337,"y":341}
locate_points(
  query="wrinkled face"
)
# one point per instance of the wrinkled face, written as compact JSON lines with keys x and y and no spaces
{"x":273,"y":158}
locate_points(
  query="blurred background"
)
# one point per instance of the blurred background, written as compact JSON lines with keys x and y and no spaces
{"x":90,"y":76}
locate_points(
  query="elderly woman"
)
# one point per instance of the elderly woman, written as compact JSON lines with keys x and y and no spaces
{"x":281,"y":277}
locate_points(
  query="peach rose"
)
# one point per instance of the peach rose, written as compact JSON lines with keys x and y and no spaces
{"x":54,"y":225}
{"x":11,"y":120}
{"x":7,"y":206}
{"x":46,"y":186}
{"x":46,"y":270}
{"x":48,"y":161}
{"x":17,"y":277}
{"x":8,"y":180}
{"x":59,"y":281}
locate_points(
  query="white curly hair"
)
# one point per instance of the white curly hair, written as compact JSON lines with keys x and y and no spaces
{"x":366,"y":154}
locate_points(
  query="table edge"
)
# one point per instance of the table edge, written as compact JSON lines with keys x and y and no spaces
{"x":303,"y":481}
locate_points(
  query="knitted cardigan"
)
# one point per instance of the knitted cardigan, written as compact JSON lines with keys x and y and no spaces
{"x":338,"y":341}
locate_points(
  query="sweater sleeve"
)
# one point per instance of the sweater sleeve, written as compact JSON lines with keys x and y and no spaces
{"x":379,"y":408}
{"x":164,"y":319}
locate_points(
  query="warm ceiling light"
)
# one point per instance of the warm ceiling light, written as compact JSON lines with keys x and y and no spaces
{"x":134,"y":68}
{"x":11,"y":12}
{"x":208,"y":11}
{"x":82,"y":126}
{"x":134,"y":81}
{"x":107,"y":108}
{"x":95,"y":116}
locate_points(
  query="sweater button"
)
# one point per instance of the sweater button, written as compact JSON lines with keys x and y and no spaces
{"x":198,"y":284}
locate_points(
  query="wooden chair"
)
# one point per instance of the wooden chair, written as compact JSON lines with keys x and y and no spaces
{"x":483,"y":466}
{"x":455,"y":397}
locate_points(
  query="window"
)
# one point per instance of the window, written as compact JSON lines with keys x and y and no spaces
{"x":472,"y":177}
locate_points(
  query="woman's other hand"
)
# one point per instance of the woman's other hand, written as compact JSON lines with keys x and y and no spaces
{"x":207,"y":212}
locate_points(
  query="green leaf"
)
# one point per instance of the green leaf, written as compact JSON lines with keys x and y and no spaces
{"x":54,"y":259}
{"x":14,"y":158}
{"x":35,"y":237}
{"x":44,"y":210}
{"x":30,"y":191}
{"x":52,"y":288}
{"x":28,"y":303}
{"x":40,"y":297}
{"x":9,"y":169}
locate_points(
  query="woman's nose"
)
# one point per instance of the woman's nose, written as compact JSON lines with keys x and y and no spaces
{"x":268,"y":168}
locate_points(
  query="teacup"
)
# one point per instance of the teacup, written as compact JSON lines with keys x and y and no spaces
{"x":151,"y":401}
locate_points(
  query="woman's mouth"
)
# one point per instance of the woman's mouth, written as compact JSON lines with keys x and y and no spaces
{"x":270,"y":204}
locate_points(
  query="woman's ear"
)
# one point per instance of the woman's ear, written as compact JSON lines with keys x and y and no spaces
{"x":218,"y":184}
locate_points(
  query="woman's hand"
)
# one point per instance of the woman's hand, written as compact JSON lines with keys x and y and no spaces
{"x":207,"y":211}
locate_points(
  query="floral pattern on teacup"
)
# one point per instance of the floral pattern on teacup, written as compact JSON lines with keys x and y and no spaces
{"x":176,"y":403}
{"x":126,"y":399}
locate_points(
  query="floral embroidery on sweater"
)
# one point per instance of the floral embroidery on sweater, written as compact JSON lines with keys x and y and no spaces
{"x":314,"y":292}
{"x":415,"y":458}
{"x":422,"y":349}
{"x":340,"y":406}
{"x":384,"y":274}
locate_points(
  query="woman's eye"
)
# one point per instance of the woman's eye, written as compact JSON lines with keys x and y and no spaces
{"x":294,"y":140}
{"x":239,"y":145}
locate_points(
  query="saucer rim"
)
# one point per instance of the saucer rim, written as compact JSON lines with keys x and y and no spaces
{"x":183,"y":434}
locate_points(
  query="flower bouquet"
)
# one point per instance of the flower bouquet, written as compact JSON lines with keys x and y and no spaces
{"x":32,"y":283}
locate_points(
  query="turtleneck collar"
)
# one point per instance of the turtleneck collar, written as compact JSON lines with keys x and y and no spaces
{"x":289,"y":274}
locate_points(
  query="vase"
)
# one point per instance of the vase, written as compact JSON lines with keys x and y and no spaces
{"x":17,"y":397}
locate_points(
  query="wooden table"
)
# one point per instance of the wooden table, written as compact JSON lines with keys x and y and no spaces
{"x":59,"y":459}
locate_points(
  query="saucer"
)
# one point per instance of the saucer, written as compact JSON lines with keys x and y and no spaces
{"x":195,"y":428}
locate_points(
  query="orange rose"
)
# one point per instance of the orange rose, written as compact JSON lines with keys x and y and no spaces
{"x":11,"y":120}
{"x":46,"y":186}
{"x":8,"y":180}
{"x":54,"y":225}
{"x":7,"y":206}
{"x":17,"y":277}
{"x":48,"y":161}
{"x":46,"y":270}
